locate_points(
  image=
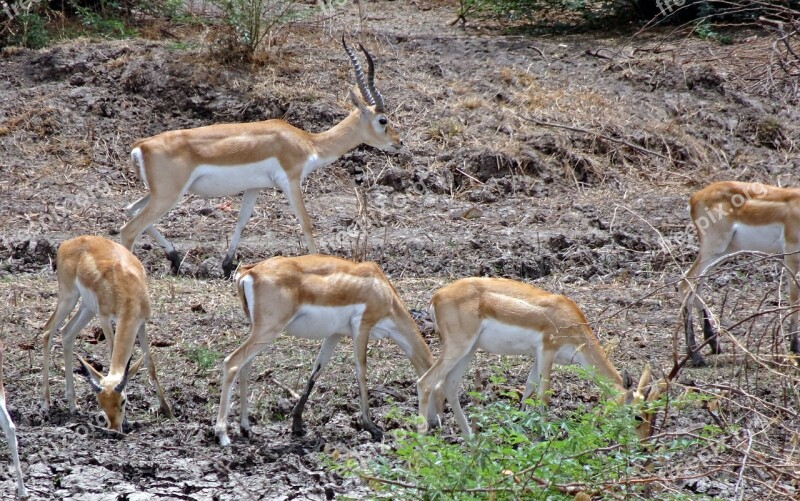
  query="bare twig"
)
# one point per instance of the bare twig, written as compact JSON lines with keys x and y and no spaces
{"x":594,"y":133}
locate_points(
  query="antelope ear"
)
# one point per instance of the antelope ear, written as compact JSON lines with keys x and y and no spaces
{"x":644,"y":380}
{"x":627,"y":380}
{"x":135,"y":367}
{"x":357,"y":101}
{"x":130,"y":371}
{"x":91,"y":374}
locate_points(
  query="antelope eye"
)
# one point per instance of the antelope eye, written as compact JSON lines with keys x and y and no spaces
{"x":383,"y":121}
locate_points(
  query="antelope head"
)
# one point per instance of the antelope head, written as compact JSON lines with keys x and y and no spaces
{"x":110,"y":391}
{"x":377,"y":131}
{"x":644,"y":392}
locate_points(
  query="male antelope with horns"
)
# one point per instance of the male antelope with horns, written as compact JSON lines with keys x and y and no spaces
{"x":225,"y":159}
{"x":507,"y":317}
{"x":111,"y":283}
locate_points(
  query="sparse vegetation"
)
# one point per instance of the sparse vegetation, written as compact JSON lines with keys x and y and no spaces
{"x":525,"y":454}
{"x":203,"y":357}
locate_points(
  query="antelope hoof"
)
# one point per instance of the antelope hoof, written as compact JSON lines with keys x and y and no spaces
{"x":175,"y":259}
{"x":245,"y":431}
{"x":298,"y":430}
{"x":377,"y":433}
{"x":696,"y":361}
{"x":794,"y":346}
{"x":223,"y":440}
{"x":227,"y":268}
{"x":166,"y":411}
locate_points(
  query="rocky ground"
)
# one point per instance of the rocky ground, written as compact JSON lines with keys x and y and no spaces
{"x":562,"y":160}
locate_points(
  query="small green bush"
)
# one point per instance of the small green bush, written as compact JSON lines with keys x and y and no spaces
{"x":104,"y":23}
{"x":251,"y":21}
{"x":204,"y":357}
{"x":30,"y":31}
{"x":526,"y":455}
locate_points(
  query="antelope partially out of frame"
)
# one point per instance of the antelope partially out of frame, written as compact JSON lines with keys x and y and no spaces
{"x":225,"y":159}
{"x":327,"y":298}
{"x":732,"y":217}
{"x":111,"y":283}
{"x":507,"y":317}
{"x":10,"y":432}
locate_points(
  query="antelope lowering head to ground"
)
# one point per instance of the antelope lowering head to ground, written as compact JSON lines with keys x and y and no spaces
{"x":732,"y":217}
{"x":327,"y":298}
{"x":226,"y":159}
{"x":506,"y":317}
{"x":111,"y":283}
{"x":10,"y":432}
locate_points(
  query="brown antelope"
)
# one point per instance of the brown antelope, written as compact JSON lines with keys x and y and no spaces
{"x":506,"y":317}
{"x":320,"y":297}
{"x":111,"y":283}
{"x":10,"y":432}
{"x":225,"y":159}
{"x":733,"y":217}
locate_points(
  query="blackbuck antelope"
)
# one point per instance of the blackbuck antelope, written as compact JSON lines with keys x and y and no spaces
{"x":225,"y":159}
{"x":10,"y":432}
{"x":732,"y":217}
{"x":111,"y":283}
{"x":327,"y":298}
{"x":512,"y":318}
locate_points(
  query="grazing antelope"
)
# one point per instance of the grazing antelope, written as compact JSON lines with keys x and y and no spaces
{"x":732,"y":217}
{"x":111,"y":283}
{"x":320,"y":297}
{"x":225,"y":159}
{"x":506,"y":317}
{"x":10,"y":432}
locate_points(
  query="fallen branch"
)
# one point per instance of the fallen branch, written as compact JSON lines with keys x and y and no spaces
{"x":594,"y":133}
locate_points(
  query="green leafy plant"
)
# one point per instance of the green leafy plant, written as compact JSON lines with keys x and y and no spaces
{"x":251,"y":21}
{"x":706,"y":31}
{"x":204,"y":357}
{"x":104,"y":21}
{"x":31,"y":31}
{"x":527,"y":455}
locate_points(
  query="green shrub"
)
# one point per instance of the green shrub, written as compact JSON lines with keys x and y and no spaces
{"x":204,"y":357}
{"x":251,"y":21}
{"x":525,"y":455}
{"x":104,"y":22}
{"x":30,"y":31}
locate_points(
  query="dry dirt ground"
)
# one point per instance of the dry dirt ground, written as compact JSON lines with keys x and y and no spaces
{"x":480,"y":190}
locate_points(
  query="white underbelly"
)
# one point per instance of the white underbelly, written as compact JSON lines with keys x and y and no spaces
{"x":319,"y":322}
{"x":504,"y":339}
{"x":220,"y":181}
{"x":765,"y":238}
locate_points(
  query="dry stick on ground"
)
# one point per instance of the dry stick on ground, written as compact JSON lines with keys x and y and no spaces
{"x":764,"y":461}
{"x":766,"y":405}
{"x":595,"y":133}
